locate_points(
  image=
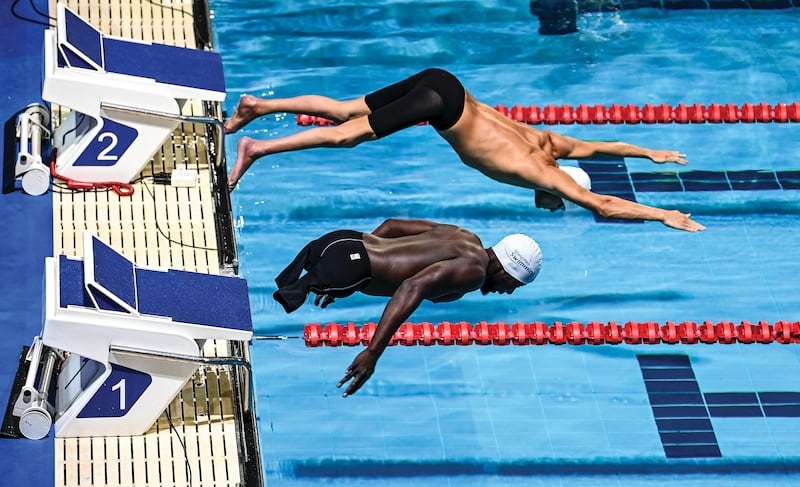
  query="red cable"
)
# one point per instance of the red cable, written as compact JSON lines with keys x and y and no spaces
{"x":122,"y":189}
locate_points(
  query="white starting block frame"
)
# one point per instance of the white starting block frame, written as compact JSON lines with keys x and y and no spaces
{"x":125,"y":96}
{"x":134,"y":337}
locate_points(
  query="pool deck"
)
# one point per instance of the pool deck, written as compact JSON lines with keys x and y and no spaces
{"x":215,"y":440}
{"x":28,"y":240}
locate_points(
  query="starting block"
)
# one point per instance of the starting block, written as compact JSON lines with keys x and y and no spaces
{"x":119,"y":342}
{"x":125,"y":96}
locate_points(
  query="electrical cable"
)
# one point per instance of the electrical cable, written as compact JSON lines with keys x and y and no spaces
{"x":28,"y":19}
{"x":122,"y":189}
{"x":183,"y":445}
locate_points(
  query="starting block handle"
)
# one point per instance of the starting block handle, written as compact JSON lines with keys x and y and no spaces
{"x":218,"y":125}
{"x":194,"y":359}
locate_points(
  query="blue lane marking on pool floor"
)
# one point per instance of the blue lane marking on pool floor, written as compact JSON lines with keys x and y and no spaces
{"x":683,"y":412}
{"x":610,"y":176}
{"x":683,"y":421}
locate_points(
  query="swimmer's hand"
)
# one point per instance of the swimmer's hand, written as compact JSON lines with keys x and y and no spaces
{"x":360,"y":371}
{"x":325,"y":298}
{"x":681,"y":221}
{"x":662,"y":156}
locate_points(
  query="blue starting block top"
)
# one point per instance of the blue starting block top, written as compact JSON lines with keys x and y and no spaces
{"x":107,"y":280}
{"x":83,"y":46}
{"x":192,"y":297}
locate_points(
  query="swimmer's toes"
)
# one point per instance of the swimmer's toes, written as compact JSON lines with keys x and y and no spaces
{"x":232,"y":124}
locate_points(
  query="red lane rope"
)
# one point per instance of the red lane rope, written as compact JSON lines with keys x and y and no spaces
{"x":633,"y":114}
{"x":572,"y":333}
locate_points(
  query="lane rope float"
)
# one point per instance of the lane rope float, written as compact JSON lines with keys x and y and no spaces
{"x":633,"y":114}
{"x":558,"y":333}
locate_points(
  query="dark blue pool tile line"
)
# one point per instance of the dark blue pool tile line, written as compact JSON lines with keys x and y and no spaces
{"x":322,"y":469}
{"x":587,"y":6}
{"x":757,"y":180}
{"x":683,"y":412}
{"x":336,"y":469}
{"x":780,"y":404}
{"x":753,"y":404}
{"x":789,"y":179}
{"x":733,"y":405}
{"x":610,"y":176}
{"x":682,"y":419}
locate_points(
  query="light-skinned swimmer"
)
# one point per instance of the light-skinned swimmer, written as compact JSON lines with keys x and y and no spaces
{"x":505,"y":150}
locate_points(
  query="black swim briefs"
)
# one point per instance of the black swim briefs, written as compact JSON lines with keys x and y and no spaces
{"x":433,"y":96}
{"x":337,"y":264}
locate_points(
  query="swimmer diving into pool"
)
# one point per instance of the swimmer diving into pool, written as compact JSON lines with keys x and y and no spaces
{"x":408,"y":261}
{"x":506,"y":151}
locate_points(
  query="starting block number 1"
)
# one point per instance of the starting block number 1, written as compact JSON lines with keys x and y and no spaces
{"x":120,"y":391}
{"x":120,"y":386}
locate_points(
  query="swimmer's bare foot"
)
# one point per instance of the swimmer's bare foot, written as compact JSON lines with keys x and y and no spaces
{"x":244,"y":159}
{"x":245,"y":112}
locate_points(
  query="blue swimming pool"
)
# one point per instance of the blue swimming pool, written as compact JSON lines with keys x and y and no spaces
{"x":531,"y":415}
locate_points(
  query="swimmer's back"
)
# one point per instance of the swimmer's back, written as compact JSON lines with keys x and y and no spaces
{"x":396,"y":259}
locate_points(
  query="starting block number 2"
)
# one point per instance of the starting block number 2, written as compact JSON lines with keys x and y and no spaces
{"x":105,"y":154}
{"x":108,"y":145}
{"x":120,"y":391}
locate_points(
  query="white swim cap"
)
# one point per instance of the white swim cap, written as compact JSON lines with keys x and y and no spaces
{"x":520,"y":256}
{"x":578,"y":175}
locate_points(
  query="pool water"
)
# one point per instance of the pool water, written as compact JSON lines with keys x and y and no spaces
{"x":528,"y":415}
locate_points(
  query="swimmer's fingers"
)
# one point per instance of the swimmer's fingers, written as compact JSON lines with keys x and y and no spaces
{"x":348,"y":375}
{"x":357,"y":383}
{"x":690,"y":225}
{"x":662,"y":156}
{"x":359,"y":371}
{"x":681,"y":159}
{"x":323,"y":300}
{"x":359,"y":376}
{"x":682,"y":221}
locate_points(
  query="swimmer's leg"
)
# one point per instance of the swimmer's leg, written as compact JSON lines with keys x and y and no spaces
{"x":251,"y":107}
{"x":348,"y":134}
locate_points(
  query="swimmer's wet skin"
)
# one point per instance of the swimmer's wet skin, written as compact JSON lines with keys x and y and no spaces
{"x":504,"y":150}
{"x":408,"y":261}
{"x":513,"y":262}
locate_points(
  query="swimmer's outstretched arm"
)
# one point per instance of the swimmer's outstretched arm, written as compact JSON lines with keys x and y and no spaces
{"x":448,"y":277}
{"x":572,"y":148}
{"x":403,"y":302}
{"x":614,"y":207}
